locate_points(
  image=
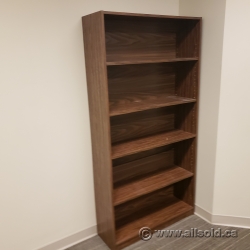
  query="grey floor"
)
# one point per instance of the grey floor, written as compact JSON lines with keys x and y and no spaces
{"x":242,"y":242}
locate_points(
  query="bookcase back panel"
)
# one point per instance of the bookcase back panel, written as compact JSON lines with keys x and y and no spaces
{"x":135,"y":87}
{"x":132,"y":85}
{"x":138,"y":165}
{"x":150,"y":210}
{"x":139,"y":87}
{"x":143,"y":203}
{"x":138,"y":156}
{"x":143,"y":166}
{"x":136,"y":82}
{"x":139,"y":38}
{"x":145,"y":123}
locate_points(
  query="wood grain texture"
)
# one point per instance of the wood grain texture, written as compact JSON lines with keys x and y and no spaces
{"x":143,"y":166}
{"x":184,"y":190}
{"x":130,"y":104}
{"x":149,"y":15}
{"x":129,"y":37}
{"x":126,"y":212}
{"x":185,"y":157}
{"x":191,"y":188}
{"x":137,"y":81}
{"x":173,"y":210}
{"x":143,"y":78}
{"x":94,"y":45}
{"x":149,"y":183}
{"x":140,"y":155}
{"x":137,"y":125}
{"x":188,"y":39}
{"x":144,"y":59}
{"x":149,"y":142}
{"x":187,"y":84}
{"x":148,"y":86}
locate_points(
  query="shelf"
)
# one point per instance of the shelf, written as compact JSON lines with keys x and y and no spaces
{"x":142,"y":60}
{"x":149,"y":183}
{"x":140,"y":103}
{"x":149,"y":142}
{"x":149,"y":15}
{"x":163,"y":216}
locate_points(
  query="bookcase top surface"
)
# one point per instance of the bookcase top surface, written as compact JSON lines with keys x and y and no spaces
{"x":148,"y":15}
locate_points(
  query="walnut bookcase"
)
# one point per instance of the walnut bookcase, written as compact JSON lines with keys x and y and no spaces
{"x":142,"y":77}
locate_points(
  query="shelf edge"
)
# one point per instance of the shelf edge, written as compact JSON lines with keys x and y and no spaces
{"x":189,"y":175}
{"x":113,"y":114}
{"x":155,"y":146}
{"x":117,"y":63}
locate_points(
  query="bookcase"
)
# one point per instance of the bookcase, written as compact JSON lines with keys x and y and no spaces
{"x":142,"y":78}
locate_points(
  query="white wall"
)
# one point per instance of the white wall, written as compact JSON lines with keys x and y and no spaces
{"x":213,"y":14}
{"x":46,"y":183}
{"x":223,"y":154}
{"x":232,"y":183}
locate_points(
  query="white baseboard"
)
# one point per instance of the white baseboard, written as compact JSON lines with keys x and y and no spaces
{"x":205,"y":215}
{"x":78,"y":237}
{"x":71,"y":240}
{"x":223,"y":220}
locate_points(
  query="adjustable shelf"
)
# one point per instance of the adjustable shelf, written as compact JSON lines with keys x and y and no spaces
{"x":149,"y":183}
{"x":142,"y":77}
{"x":123,"y":60}
{"x":149,"y":142}
{"x":130,"y":104}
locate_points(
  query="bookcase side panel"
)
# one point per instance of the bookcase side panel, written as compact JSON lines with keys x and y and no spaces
{"x":96,"y":71}
{"x":187,"y":116}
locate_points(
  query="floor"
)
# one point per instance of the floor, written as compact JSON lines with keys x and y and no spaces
{"x":241,"y":242}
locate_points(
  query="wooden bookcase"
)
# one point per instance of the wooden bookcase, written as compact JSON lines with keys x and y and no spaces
{"x":143,"y":77}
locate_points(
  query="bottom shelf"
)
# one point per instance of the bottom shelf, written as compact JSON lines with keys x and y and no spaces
{"x":170,"y":211}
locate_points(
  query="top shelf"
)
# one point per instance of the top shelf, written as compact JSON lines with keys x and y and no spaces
{"x":151,"y":59}
{"x":110,"y":13}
